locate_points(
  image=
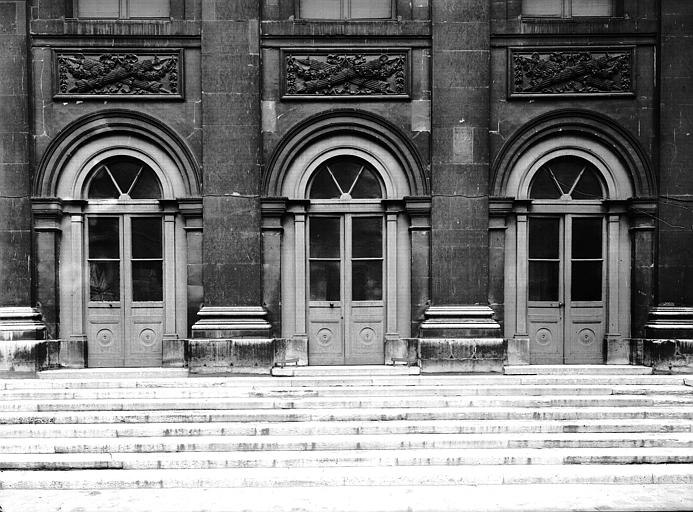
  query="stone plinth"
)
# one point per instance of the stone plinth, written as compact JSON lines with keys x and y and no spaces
{"x":402,"y":351}
{"x":466,"y":355}
{"x":231,"y":355}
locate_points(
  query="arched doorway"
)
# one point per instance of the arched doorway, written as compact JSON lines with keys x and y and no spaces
{"x":566,"y":249}
{"x":128,"y":260}
{"x":567,"y":255}
{"x":346,"y":266}
{"x":345,"y":254}
{"x":117,"y":197}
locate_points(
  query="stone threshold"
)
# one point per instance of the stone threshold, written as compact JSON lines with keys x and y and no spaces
{"x":576,"y":369}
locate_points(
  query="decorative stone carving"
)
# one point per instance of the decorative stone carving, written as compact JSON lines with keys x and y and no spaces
{"x":572,"y":72}
{"x":130,"y":74}
{"x":328,"y":73}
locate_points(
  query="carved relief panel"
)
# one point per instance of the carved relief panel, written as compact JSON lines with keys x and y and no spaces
{"x":131,"y":74}
{"x":326,"y":73}
{"x":574,"y":71}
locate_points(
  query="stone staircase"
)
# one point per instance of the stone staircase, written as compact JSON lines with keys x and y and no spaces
{"x":350,"y":440}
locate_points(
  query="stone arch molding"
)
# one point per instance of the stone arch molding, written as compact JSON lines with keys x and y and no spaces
{"x":86,"y":142}
{"x":625,"y":168}
{"x":345,"y":132}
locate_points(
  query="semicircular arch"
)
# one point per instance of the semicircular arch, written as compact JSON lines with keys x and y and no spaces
{"x":589,"y":135}
{"x":91,"y":139}
{"x":355,"y":132}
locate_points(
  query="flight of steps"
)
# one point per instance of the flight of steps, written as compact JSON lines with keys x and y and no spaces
{"x":163,"y":441}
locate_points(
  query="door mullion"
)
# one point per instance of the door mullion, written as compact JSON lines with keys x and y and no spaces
{"x":345,"y":253}
{"x":125,"y":281}
{"x":566,"y":283}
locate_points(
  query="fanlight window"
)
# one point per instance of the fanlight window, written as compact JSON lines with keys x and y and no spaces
{"x":124,"y":178}
{"x":567,"y":178}
{"x":345,"y":178}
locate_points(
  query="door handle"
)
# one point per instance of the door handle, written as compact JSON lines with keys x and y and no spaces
{"x":561,"y":304}
{"x":332,"y":304}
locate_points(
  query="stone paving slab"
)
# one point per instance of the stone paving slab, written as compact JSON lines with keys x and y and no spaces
{"x":483,"y":498}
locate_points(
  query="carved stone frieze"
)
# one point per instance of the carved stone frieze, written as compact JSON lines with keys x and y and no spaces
{"x":571,"y":71}
{"x":329,"y":73}
{"x":119,"y":73}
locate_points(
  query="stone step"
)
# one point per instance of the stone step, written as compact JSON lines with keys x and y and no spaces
{"x":111,"y":373}
{"x":322,"y":428}
{"x":292,"y":382}
{"x":361,"y":402}
{"x":345,"y":371}
{"x":303,"y":443}
{"x":358,"y":414}
{"x":348,"y":458}
{"x":326,"y":391}
{"x":395,"y":498}
{"x":576,"y":369}
{"x":504,"y":474}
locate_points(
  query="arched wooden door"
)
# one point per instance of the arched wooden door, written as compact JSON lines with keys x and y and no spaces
{"x":129,"y":274}
{"x":566,"y":264}
{"x":346,"y":261}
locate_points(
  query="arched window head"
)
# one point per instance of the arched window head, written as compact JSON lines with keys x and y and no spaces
{"x":567,"y":177}
{"x":124,"y":178}
{"x":345,"y":177}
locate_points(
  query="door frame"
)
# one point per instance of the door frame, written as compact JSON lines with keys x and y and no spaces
{"x":564,"y":304}
{"x":345,"y":212}
{"x":123,"y":211}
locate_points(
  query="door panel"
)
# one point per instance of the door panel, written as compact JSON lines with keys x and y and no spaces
{"x":125,"y":313}
{"x":346,"y":309}
{"x":565,"y":313}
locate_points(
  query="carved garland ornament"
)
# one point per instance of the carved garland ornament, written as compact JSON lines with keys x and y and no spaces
{"x":574,"y":72}
{"x":128,"y":74}
{"x":329,"y":74}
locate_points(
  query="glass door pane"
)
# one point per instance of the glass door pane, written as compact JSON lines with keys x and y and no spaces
{"x":325,"y":260}
{"x":367,"y":258}
{"x":147,"y":259}
{"x":544,"y":259}
{"x":104,"y":258}
{"x":586,"y":259}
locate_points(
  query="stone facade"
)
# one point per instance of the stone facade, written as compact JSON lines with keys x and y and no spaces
{"x":457,"y":106}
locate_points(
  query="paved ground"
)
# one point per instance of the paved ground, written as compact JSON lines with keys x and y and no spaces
{"x":483,"y":498}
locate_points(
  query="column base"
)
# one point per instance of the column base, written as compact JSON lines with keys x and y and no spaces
{"x":217,"y":322}
{"x":471,"y":321}
{"x":21,"y":323}
{"x":668,"y":346}
{"x":461,"y":339}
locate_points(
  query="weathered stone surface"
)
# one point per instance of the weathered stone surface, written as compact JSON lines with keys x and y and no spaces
{"x":231,"y":355}
{"x":462,"y":355}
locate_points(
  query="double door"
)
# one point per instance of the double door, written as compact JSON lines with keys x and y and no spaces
{"x":566,"y":289}
{"x":346,"y":289}
{"x":125,"y":280}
